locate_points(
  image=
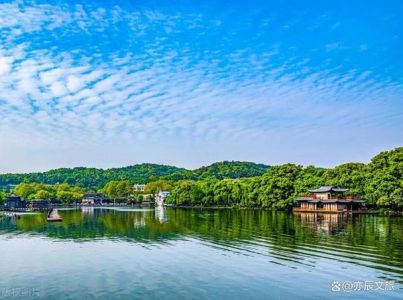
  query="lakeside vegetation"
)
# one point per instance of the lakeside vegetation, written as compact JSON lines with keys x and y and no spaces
{"x":379,"y":183}
{"x":227,"y":184}
{"x":63,"y":192}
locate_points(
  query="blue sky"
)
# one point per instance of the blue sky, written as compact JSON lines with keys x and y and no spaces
{"x":114,"y":83}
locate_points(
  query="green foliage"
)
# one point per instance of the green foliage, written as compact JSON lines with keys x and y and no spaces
{"x":3,"y":197}
{"x":68,"y":196}
{"x":187,"y":192}
{"x":42,"y":194}
{"x":273,"y":190}
{"x":244,"y":184}
{"x":156,"y":186}
{"x":230,"y":169}
{"x":137,"y":198}
{"x":118,"y":189}
{"x":277,"y":187}
{"x":309,"y":178}
{"x":379,"y":183}
{"x":63,"y":192}
{"x":384,"y":185}
{"x":94,"y":179}
{"x":351,"y":175}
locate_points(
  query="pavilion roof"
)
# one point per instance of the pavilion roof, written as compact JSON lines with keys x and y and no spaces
{"x":312,"y":200}
{"x":328,"y":188}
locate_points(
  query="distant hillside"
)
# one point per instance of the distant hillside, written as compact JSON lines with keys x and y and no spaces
{"x":92,"y":177}
{"x":231,"y":169}
{"x":221,"y":170}
{"x":141,"y":173}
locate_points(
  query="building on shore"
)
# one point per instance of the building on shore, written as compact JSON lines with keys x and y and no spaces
{"x":94,"y":199}
{"x":328,"y":199}
{"x":38,"y":203}
{"x":55,"y":202}
{"x":14,"y":202}
{"x":139,"y":187}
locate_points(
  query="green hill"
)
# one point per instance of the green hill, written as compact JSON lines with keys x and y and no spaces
{"x":141,"y":173}
{"x":231,"y":169}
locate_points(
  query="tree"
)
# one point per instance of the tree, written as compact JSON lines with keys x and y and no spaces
{"x":309,"y":178}
{"x":350,"y":175}
{"x":24,"y":190}
{"x":182,"y":193}
{"x":69,"y":196}
{"x":63,"y":192}
{"x":277,"y":187}
{"x":380,"y":182}
{"x":384,"y":183}
{"x":94,"y":179}
{"x":117,"y":189}
{"x":3,"y":197}
{"x":42,"y":194}
{"x":156,"y":186}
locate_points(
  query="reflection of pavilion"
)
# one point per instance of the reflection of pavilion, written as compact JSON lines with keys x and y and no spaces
{"x":322,"y":221}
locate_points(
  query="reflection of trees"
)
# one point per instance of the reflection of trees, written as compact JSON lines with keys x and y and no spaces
{"x":138,"y":225}
{"x":364,"y":238}
{"x":367,"y":240}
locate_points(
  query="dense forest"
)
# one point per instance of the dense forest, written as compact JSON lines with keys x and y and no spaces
{"x":240,"y":184}
{"x":380,"y":183}
{"x":92,"y":178}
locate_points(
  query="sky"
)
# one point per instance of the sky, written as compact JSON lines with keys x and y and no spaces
{"x":188,"y":83}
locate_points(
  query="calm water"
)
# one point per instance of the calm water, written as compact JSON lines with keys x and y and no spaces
{"x":198,"y":254}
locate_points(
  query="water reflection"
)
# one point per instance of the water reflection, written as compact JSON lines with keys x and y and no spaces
{"x":286,"y":239}
{"x":329,"y":223}
{"x":160,"y":214}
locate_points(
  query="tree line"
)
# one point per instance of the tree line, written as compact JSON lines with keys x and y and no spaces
{"x":63,"y":192}
{"x":379,"y":182}
{"x":94,"y":179}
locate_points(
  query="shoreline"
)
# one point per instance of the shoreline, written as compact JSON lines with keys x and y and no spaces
{"x":372,"y":212}
{"x":380,"y":212}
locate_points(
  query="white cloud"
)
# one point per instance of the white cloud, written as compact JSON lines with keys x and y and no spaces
{"x":128,"y":97}
{"x":74,"y":83}
{"x":5,"y":65}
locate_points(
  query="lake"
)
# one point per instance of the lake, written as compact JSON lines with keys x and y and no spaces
{"x":200,"y":254}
